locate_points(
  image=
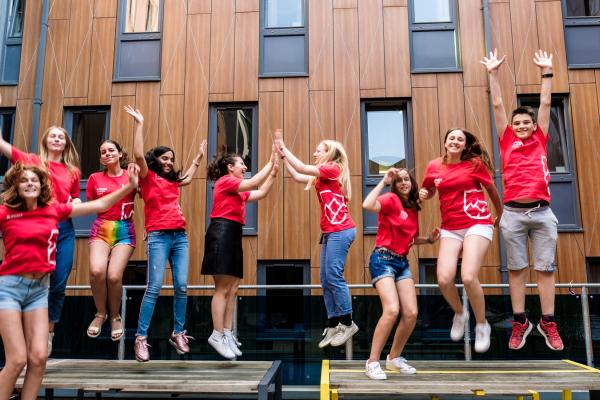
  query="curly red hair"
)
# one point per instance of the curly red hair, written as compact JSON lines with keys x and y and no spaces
{"x":11,"y":198}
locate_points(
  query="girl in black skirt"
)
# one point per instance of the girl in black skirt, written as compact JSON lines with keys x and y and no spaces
{"x":223,"y":256}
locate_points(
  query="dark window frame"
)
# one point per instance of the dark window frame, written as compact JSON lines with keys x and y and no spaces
{"x":369,"y":181}
{"x":7,"y":41}
{"x":251,"y":227}
{"x":592,"y":262}
{"x":11,"y":112}
{"x":434,"y":27}
{"x":133,"y":37}
{"x":572,"y":23}
{"x":282,"y":32}
{"x":568,"y":177}
{"x":83,"y":224}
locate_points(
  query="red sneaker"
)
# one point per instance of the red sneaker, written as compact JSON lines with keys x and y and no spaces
{"x":519,"y":334}
{"x":550,"y":333}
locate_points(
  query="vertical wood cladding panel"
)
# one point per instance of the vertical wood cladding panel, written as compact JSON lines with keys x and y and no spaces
{"x":250,"y":248}
{"x":173,"y":48}
{"x":472,"y":42}
{"x":101,"y":66}
{"x":570,"y":257}
{"x":199,"y":6}
{"x":296,"y":109}
{"x":552,"y":40}
{"x":320,"y":58}
{"x":9,"y":96}
{"x":397,"y":52}
{"x":451,"y":103}
{"x":246,"y":6}
{"x":584,"y":111}
{"x":347,"y":102}
{"x":170,"y":125}
{"x":79,"y":49}
{"x":296,"y":219}
{"x":23,"y":122}
{"x":60,"y":9}
{"x":222,"y":57}
{"x":270,"y":209}
{"x":54,"y":73}
{"x":582,"y":76}
{"x":322,"y":121}
{"x":355,"y":267}
{"x":105,"y":8}
{"x":525,"y":40}
{"x":502,"y":39}
{"x":246,"y":57}
{"x":148,"y":101}
{"x":29,"y":50}
{"x":370,"y":42}
{"x":193,"y":204}
{"x":345,"y":4}
{"x":270,"y":85}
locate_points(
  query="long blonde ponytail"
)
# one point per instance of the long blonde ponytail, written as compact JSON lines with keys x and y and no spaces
{"x":336,"y":154}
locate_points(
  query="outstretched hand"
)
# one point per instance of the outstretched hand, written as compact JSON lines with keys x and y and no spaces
{"x":135,"y":113}
{"x":202,"y":149}
{"x":389,"y":175}
{"x":424,"y":194}
{"x":434,"y":236}
{"x":133,"y":170}
{"x":543,"y":60}
{"x":493,"y":63}
{"x":278,"y":141}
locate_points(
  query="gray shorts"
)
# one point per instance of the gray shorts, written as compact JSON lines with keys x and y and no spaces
{"x":538,"y":224}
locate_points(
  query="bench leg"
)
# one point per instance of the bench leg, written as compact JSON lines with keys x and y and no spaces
{"x":80,"y":394}
{"x":49,"y":394}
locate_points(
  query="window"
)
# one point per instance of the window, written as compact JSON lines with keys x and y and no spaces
{"x":12,"y":14}
{"x":138,"y":47}
{"x":434,"y":36}
{"x":7,"y":123}
{"x":283,"y":38}
{"x":88,"y":128}
{"x":563,"y":181}
{"x":582,"y":33}
{"x":593,"y":274}
{"x":233,"y":128}
{"x":386,"y":143}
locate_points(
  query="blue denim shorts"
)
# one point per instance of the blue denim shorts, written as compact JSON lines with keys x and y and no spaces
{"x":384,"y":263}
{"x":23,"y":294}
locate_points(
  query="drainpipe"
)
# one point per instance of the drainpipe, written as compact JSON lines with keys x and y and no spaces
{"x":39,"y":76}
{"x":495,"y":145}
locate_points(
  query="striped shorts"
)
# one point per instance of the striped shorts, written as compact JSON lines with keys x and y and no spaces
{"x":113,"y":233}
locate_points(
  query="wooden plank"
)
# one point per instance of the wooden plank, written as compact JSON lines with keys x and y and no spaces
{"x":424,"y":80}
{"x":147,"y":99}
{"x":370,"y":42}
{"x":9,"y":96}
{"x":29,"y":50}
{"x":270,"y":85}
{"x":397,"y":52}
{"x":23,"y":125}
{"x":529,"y":89}
{"x":222,"y":35}
{"x":472,"y":42}
{"x":322,"y":122}
{"x":193,"y":204}
{"x":60,"y":9}
{"x":296,"y":217}
{"x":105,"y":8}
{"x":54,"y":74}
{"x":173,"y":48}
{"x":101,"y":66}
{"x":502,"y":39}
{"x":345,"y":4}
{"x":549,"y":16}
{"x":451,"y":103}
{"x":123,"y":89}
{"x":220,"y":97}
{"x":582,"y":76}
{"x":347,"y":102}
{"x":79,"y":49}
{"x":320,"y":46}
{"x":372,"y":93}
{"x":245,"y":85}
{"x":296,"y":111}
{"x":570,"y":257}
{"x":525,"y":43}
{"x":394,"y":3}
{"x":246,"y":6}
{"x":170,"y":125}
{"x":250,"y":248}
{"x":355,"y":271}
{"x":199,"y":6}
{"x":75,"y":101}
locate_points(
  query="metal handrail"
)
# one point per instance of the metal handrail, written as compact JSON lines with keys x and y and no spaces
{"x":349,"y":351}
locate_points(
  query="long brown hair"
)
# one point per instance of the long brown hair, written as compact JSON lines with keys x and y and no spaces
{"x":218,"y":166}
{"x":11,"y":198}
{"x":69,"y":155}
{"x":412,"y":201}
{"x":124,"y":160}
{"x":473,"y":149}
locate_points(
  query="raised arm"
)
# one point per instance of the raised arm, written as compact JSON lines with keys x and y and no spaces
{"x":264,"y":189}
{"x":298,"y":165}
{"x":495,"y":197}
{"x":544,"y":61}
{"x":138,"y":139}
{"x":296,"y":176}
{"x":104,"y":203}
{"x":492,"y":64}
{"x":189,"y":174}
{"x":371,"y":203}
{"x":260,"y":176}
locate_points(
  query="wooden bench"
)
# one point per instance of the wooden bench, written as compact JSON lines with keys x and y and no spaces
{"x":256,"y":379}
{"x":473,"y":378}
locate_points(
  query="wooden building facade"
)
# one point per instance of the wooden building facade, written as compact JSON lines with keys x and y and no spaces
{"x":358,"y":54}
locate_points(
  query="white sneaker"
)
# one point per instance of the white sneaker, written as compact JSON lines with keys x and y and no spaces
{"x":482,"y":337}
{"x":232,"y":345}
{"x":399,"y":364}
{"x":328,"y":335}
{"x":344,"y":334}
{"x":50,"y":339}
{"x":219,"y":342}
{"x":458,"y":325}
{"x":373,"y":370}
{"x":235,"y":340}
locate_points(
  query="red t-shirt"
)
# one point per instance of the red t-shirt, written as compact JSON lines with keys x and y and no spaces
{"x":100,"y":184}
{"x":525,"y":166}
{"x":161,"y":203}
{"x":397,"y":226}
{"x":65,"y":185}
{"x":462,"y":202}
{"x":335,"y":216}
{"x":30,"y":238}
{"x":227,"y":201}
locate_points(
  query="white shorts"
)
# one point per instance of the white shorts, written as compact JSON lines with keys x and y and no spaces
{"x":487,"y":231}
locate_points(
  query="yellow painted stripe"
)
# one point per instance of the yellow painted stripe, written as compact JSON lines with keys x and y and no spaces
{"x":325,"y":380}
{"x":591,"y":369}
{"x":534,"y":395}
{"x":478,"y":392}
{"x":567,"y":395}
{"x":334,"y":394}
{"x":458,"y":372}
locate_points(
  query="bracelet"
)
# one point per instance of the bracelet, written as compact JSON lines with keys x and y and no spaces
{"x":548,"y":75}
{"x":196,"y":164}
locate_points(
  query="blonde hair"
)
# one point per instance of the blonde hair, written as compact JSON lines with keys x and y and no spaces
{"x":69,"y":155}
{"x":335,"y":153}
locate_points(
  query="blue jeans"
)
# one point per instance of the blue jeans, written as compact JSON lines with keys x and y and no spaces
{"x":163,"y":246}
{"x":334,"y":250}
{"x":65,"y":247}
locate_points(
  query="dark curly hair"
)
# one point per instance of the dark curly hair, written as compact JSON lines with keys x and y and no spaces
{"x":11,"y":198}
{"x":218,"y":166}
{"x":473,"y":149}
{"x":155,"y":166}
{"x":412,"y":201}
{"x":124,"y":160}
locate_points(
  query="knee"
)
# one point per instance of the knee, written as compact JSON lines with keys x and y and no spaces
{"x":445,"y":281}
{"x":14,"y":365}
{"x":97,"y":274}
{"x":114,"y":279}
{"x":391,"y":313}
{"x":181,"y":290}
{"x":153,"y":290}
{"x":469,"y":280}
{"x":37,"y":358}
{"x":410,"y":314}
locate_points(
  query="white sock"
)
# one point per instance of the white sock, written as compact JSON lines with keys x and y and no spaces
{"x":216,"y":334}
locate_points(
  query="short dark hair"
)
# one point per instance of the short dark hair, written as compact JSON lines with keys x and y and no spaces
{"x":523,"y":110}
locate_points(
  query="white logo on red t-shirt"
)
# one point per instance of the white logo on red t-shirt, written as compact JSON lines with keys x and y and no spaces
{"x":127,"y":210}
{"x":516,"y":144}
{"x":403,"y":215}
{"x":335,"y":208}
{"x":473,"y":206}
{"x":100,"y":191}
{"x":437,"y":181}
{"x":52,"y":246}
{"x":546,"y":171}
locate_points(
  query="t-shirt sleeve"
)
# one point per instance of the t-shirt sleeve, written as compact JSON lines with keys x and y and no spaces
{"x":22,"y":157}
{"x":507,"y":136}
{"x":329,"y":171}
{"x":63,"y":210}
{"x":385,"y":201}
{"x":230,"y":184}
{"x":75,"y":186}
{"x":482,"y":174}
{"x":543,"y":138}
{"x":245,"y":195}
{"x":90,"y":193}
{"x":429,"y":176}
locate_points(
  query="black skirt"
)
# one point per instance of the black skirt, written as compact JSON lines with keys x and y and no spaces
{"x":223,"y":254}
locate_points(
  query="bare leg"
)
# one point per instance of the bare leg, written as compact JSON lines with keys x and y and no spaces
{"x":99,"y":254}
{"x":546,"y":288}
{"x":119,"y":257}
{"x":35,"y":324}
{"x":218,"y":306}
{"x":408,"y":318}
{"x":516,"y":283}
{"x":474,"y":249}
{"x":15,"y":349}
{"x":446,"y":272}
{"x":231,"y":303}
{"x":386,"y":289}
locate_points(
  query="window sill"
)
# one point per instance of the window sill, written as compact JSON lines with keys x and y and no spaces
{"x":9,"y":83}
{"x":583,"y":66}
{"x":284,"y":75}
{"x":136,"y":79}
{"x":435,"y":70}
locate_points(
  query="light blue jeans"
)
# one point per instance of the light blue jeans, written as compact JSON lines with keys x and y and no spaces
{"x":334,"y":251}
{"x":163,"y":246}
{"x":65,"y":247}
